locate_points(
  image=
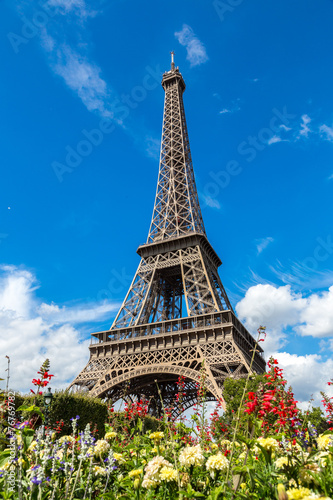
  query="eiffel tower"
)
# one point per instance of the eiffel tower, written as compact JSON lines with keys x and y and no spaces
{"x":176,"y":319}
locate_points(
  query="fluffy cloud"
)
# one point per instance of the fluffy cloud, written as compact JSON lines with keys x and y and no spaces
{"x":31,"y":331}
{"x":281,"y":310}
{"x":307,"y":375}
{"x":276,"y":308}
{"x":305,"y":130}
{"x":317,"y":316}
{"x":326,"y":132}
{"x":196,"y":51}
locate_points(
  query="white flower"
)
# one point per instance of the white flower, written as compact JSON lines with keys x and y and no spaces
{"x":191,"y":455}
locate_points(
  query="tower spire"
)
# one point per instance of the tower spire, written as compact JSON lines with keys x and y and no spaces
{"x":177,"y":211}
{"x":172,"y":60}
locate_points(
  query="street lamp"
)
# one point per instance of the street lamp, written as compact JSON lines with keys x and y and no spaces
{"x":47,"y":398}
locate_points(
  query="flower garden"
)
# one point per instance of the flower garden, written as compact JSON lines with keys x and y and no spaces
{"x":262,"y":447}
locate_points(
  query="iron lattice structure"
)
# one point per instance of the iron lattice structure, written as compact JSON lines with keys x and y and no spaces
{"x":150,"y":339}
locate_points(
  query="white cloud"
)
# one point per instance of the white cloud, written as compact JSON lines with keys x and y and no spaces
{"x":304,"y":125}
{"x":286,"y":129}
{"x":326,"y":132}
{"x":56,"y":315}
{"x":308,"y":376}
{"x":211,"y":202}
{"x":31,"y":331}
{"x":303,"y":274}
{"x":317,"y":316}
{"x":274,"y":139}
{"x":79,"y":7}
{"x":232,"y":109}
{"x":65,"y":41}
{"x":280,"y":308}
{"x":274,"y":307}
{"x":263,"y":243}
{"x":83,"y":77}
{"x":286,"y":313}
{"x":196,"y":51}
{"x":153,"y":147}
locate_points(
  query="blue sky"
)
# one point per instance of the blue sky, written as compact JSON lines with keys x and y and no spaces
{"x":81,"y":123}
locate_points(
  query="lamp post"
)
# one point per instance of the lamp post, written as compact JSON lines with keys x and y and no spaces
{"x":47,"y":398}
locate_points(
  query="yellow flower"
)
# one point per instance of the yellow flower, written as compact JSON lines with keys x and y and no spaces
{"x":324,"y":442}
{"x":149,"y":483}
{"x":119,"y":458}
{"x":269,"y":444}
{"x":135,"y":473}
{"x":152,"y":471}
{"x":217,"y":462}
{"x":191,"y":455}
{"x":101,"y":447}
{"x":32,"y":446}
{"x":214,"y":446}
{"x":66,"y":439}
{"x":156,"y":436}
{"x":136,"y":483}
{"x":99,"y":471}
{"x":110,"y":435}
{"x":282,"y":462}
{"x":299,"y":493}
{"x":168,"y":474}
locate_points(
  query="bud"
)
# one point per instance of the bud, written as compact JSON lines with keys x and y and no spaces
{"x":136,"y":483}
{"x":282,"y":495}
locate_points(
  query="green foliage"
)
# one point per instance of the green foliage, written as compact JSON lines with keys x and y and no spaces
{"x":65,"y":406}
{"x":316,"y":417}
{"x":119,"y":421}
{"x":232,"y":393}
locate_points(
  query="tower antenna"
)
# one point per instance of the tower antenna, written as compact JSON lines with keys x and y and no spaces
{"x":172,"y":60}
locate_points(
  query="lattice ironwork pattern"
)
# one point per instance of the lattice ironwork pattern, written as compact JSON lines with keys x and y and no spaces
{"x":177,"y":210}
{"x":176,"y":319}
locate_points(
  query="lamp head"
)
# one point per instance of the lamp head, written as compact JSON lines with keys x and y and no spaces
{"x":48,"y":397}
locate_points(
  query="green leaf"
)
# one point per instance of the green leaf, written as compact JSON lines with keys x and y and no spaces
{"x":31,"y":409}
{"x":4,"y":456}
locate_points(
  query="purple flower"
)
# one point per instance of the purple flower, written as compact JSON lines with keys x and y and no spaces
{"x":36,"y":481}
